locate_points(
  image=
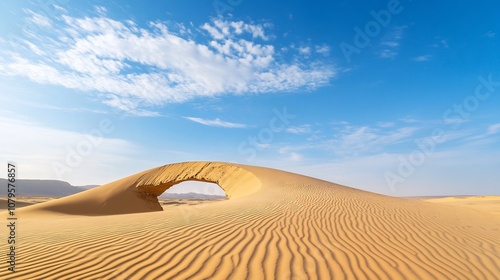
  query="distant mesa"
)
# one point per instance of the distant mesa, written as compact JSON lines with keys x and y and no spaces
{"x":54,"y":188}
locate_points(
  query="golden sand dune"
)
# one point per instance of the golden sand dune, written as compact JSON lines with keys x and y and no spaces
{"x":276,"y":225}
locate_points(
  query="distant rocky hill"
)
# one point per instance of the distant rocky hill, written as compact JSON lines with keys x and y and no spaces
{"x":29,"y":187}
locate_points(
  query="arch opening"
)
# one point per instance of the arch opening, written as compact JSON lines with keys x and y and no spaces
{"x":192,"y":189}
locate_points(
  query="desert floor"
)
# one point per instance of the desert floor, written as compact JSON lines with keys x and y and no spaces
{"x":275,"y":225}
{"x":489,"y":204}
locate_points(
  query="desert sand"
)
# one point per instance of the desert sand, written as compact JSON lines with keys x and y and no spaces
{"x":275,"y":225}
{"x":20,"y":203}
{"x":490,"y":204}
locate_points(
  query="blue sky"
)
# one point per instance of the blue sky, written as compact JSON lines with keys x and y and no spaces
{"x":394,"y":97}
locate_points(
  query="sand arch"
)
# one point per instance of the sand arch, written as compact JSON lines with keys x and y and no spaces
{"x":234,"y":180}
{"x":139,"y":193}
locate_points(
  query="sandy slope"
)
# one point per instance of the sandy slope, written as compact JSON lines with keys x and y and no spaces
{"x":276,"y":225}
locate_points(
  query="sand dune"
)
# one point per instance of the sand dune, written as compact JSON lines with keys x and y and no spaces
{"x":275,"y":225}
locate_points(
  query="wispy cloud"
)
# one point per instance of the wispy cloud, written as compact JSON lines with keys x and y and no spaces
{"x":441,"y":43}
{"x":295,"y":157}
{"x":216,"y":122}
{"x":353,"y":140}
{"x":494,"y":128}
{"x":306,"y":128}
{"x":385,"y":124}
{"x":34,"y":48}
{"x":304,"y":50}
{"x":101,"y":10}
{"x":482,"y":136}
{"x":490,"y":34}
{"x":323,"y":49}
{"x":347,"y":140}
{"x":135,"y":68}
{"x":66,"y":109}
{"x":222,"y":29}
{"x":423,"y":58}
{"x":391,"y":42}
{"x":38,"y":19}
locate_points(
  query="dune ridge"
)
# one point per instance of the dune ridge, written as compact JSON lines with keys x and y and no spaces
{"x":278,"y":225}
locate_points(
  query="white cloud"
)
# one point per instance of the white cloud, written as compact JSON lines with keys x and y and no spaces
{"x":410,"y":119}
{"x":299,"y":129}
{"x":445,"y":43}
{"x":348,"y":140}
{"x":34,"y":48}
{"x":295,"y":157}
{"x":304,"y":50}
{"x":481,"y":137}
{"x":291,"y":153}
{"x":454,"y":120}
{"x":216,"y":123}
{"x":100,"y":10}
{"x":494,"y":128}
{"x":388,"y":53}
{"x":391,"y":42}
{"x":59,"y":8}
{"x":222,"y":29}
{"x":65,"y":109}
{"x":323,"y":49}
{"x":385,"y":124}
{"x":38,"y":19}
{"x":135,"y":68}
{"x":490,"y":34}
{"x":353,"y":140}
{"x":422,"y":58}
